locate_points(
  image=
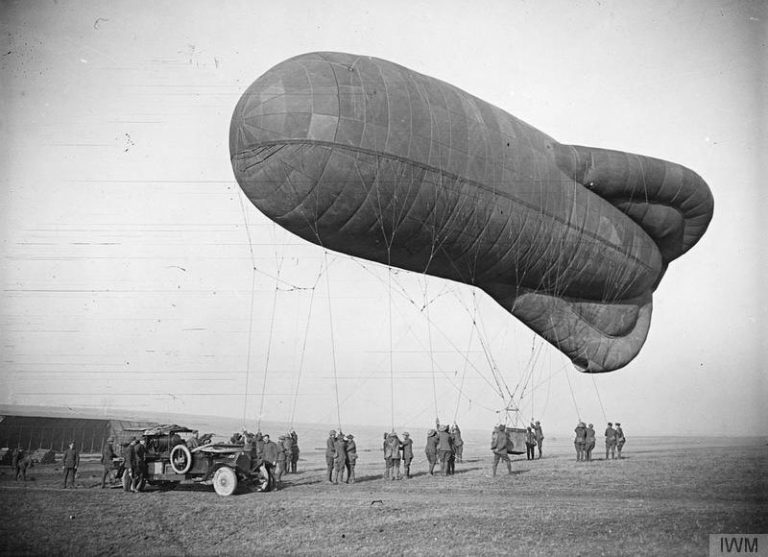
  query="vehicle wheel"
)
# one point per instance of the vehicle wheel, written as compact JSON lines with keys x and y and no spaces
{"x":225,"y":481}
{"x":126,"y":481}
{"x":181,"y":459}
{"x":263,"y":480}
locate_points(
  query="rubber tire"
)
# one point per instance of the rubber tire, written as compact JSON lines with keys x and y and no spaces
{"x":225,"y":481}
{"x":188,"y":459}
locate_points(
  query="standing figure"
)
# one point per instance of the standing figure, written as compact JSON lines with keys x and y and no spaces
{"x":458,"y":442}
{"x":107,"y":454}
{"x":140,"y":465}
{"x":280,"y":457}
{"x":407,"y":454}
{"x":16,"y":458}
{"x":288,"y":448}
{"x":539,"y":435}
{"x":339,"y":458}
{"x":620,"y":439}
{"x":580,"y":442}
{"x":330,"y":451}
{"x":270,"y":452}
{"x":590,"y":440}
{"x":71,"y":462}
{"x":295,"y":452}
{"x":351,"y":458}
{"x":610,"y":441}
{"x":431,"y":450}
{"x":392,"y":453}
{"x":499,"y":448}
{"x":530,"y":443}
{"x":444,"y":448}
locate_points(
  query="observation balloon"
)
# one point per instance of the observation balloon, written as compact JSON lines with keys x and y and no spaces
{"x":371,"y":159}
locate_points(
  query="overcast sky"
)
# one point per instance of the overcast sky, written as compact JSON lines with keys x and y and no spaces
{"x":126,"y":243}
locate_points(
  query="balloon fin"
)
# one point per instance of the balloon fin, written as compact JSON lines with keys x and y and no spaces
{"x":669,"y":201}
{"x":596,"y":336}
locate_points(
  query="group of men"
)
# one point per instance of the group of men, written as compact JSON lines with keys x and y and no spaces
{"x":585,"y":441}
{"x":340,"y":456}
{"x":281,"y":457}
{"x":20,"y":462}
{"x":534,"y":437}
{"x":446,"y":446}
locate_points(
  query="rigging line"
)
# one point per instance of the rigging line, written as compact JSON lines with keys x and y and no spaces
{"x":304,"y":345}
{"x":253,"y":296}
{"x":464,"y":371}
{"x":431,"y":351}
{"x":269,"y":347}
{"x":333,"y":342}
{"x":391,"y":357}
{"x":444,"y":335}
{"x":605,"y":416}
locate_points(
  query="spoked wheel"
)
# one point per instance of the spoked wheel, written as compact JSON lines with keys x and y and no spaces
{"x":263,"y":480}
{"x":225,"y":481}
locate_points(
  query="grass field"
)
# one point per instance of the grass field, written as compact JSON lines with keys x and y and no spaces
{"x":664,"y":498}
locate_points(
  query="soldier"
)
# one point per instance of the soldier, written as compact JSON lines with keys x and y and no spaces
{"x":351,"y":458}
{"x":193,"y":442}
{"x":16,"y":457}
{"x":392,"y":454}
{"x":444,"y":448}
{"x":107,"y":454}
{"x":539,"y":435}
{"x":271,"y":452}
{"x":140,"y":464}
{"x":431,"y":450}
{"x":294,"y":452}
{"x":288,"y":448}
{"x":499,"y":448}
{"x":580,"y":442}
{"x":280,"y":458}
{"x":610,"y":441}
{"x":339,"y":458}
{"x":590,"y":442}
{"x":330,"y":451}
{"x":620,"y":439}
{"x":407,"y":454}
{"x":530,"y":443}
{"x":458,"y":442}
{"x":71,"y":462}
{"x":24,"y":462}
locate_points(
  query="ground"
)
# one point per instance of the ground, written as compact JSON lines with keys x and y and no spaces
{"x":664,"y":498}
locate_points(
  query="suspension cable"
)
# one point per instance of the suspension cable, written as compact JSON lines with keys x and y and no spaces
{"x":333,"y":342}
{"x":253,"y":296}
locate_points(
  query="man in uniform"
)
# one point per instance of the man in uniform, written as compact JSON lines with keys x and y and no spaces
{"x":458,"y":442}
{"x":610,"y":441}
{"x":392,"y":454}
{"x":444,"y":448}
{"x":330,"y":451}
{"x":107,"y":454}
{"x":16,"y":457}
{"x":351,"y":458}
{"x":431,"y":450}
{"x":280,"y":458}
{"x":288,"y":448}
{"x":620,"y":439}
{"x":580,"y":441}
{"x":270,"y":452}
{"x":590,"y":442}
{"x":530,"y":443}
{"x":71,"y":462}
{"x":294,"y":451}
{"x":407,"y":454}
{"x":140,"y":467}
{"x":499,"y":448}
{"x":339,"y":458}
{"x":539,"y":435}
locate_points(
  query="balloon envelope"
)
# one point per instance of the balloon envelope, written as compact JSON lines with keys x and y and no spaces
{"x":369,"y":158}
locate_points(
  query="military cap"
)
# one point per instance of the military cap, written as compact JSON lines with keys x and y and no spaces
{"x":538,"y":422}
{"x":617,"y":423}
{"x":609,"y":423}
{"x":332,"y":432}
{"x":406,"y":434}
{"x":350,"y":436}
